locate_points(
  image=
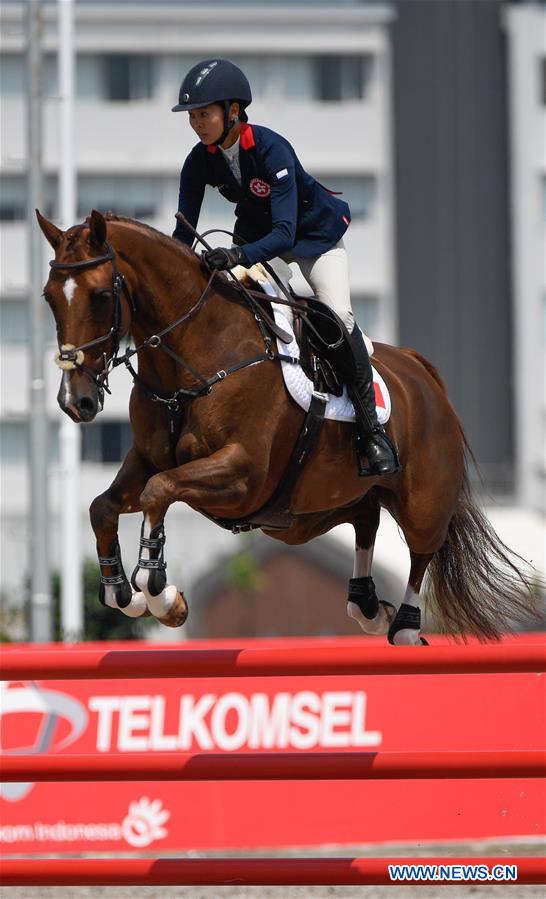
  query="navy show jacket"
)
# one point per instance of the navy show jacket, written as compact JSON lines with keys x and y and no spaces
{"x":280,"y":207}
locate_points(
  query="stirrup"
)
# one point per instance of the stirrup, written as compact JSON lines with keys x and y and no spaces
{"x":366,"y":472}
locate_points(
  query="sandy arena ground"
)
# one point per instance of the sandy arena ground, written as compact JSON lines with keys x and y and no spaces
{"x":470,"y":891}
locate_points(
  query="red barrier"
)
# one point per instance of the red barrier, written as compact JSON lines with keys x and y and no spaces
{"x":273,"y":766}
{"x":88,"y":664}
{"x":85,"y":664}
{"x":262,"y":871}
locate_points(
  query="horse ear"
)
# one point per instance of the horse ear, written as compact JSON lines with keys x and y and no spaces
{"x":97,"y":227}
{"x":52,"y":234}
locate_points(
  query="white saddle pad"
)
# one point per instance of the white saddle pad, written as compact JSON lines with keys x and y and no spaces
{"x":300,"y":387}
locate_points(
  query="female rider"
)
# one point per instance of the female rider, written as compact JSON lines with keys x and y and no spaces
{"x":281,"y":211}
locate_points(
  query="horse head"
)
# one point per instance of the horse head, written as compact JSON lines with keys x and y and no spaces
{"x":92,"y":309}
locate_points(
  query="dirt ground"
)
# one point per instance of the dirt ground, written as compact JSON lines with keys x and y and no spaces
{"x":470,"y":891}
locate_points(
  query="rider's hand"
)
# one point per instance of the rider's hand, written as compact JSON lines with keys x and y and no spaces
{"x":222,"y":258}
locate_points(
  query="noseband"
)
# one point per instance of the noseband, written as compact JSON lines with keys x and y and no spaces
{"x":68,"y":356}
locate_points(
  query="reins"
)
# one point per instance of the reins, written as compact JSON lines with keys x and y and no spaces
{"x":290,"y":299}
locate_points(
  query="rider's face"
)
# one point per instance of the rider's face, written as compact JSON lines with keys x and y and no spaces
{"x":208,"y":122}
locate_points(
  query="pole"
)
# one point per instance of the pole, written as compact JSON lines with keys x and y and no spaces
{"x":40,"y":598}
{"x":70,"y":435}
{"x":100,"y":664}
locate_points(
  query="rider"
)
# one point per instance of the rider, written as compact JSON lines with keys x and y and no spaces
{"x":281,"y":211}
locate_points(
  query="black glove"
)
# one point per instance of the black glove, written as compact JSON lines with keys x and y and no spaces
{"x":222,"y":258}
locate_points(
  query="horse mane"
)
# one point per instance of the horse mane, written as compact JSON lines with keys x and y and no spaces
{"x":221,"y":283}
{"x":149,"y":229}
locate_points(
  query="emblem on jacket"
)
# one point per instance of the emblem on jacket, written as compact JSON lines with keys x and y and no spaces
{"x":260,"y":188}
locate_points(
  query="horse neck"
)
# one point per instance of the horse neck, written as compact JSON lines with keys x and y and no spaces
{"x":167,"y":281}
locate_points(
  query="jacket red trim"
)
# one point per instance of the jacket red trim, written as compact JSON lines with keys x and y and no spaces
{"x":246,"y":138}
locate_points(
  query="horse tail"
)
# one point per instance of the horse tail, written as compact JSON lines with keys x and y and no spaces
{"x":476,"y":584}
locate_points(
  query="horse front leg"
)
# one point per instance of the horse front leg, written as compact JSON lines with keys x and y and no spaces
{"x":213,"y":485}
{"x":122,"y":496}
{"x":373,"y":615}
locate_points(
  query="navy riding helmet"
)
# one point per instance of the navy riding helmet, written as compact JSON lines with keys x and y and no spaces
{"x":215,"y":81}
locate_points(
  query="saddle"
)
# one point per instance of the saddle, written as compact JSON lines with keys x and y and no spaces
{"x":319,"y":332}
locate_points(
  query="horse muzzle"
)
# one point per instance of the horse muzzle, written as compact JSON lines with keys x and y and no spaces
{"x":78,"y":396}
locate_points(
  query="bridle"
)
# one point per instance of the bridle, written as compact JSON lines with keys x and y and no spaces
{"x":68,"y":356}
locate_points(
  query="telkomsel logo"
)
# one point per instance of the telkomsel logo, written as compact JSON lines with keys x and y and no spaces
{"x":52,"y":707}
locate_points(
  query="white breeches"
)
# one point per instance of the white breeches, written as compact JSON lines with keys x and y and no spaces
{"x":328,"y":277}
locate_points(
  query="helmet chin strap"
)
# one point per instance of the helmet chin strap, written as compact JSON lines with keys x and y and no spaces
{"x":228,"y":125}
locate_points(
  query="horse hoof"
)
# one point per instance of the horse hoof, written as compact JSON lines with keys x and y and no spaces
{"x":177,"y":614}
{"x":424,"y":642}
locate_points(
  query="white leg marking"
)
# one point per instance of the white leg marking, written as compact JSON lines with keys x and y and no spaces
{"x":363,"y":561}
{"x":69,"y":289}
{"x":363,"y":568}
{"x":409,"y":636}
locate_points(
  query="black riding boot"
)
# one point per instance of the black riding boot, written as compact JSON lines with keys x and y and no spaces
{"x":372,"y":441}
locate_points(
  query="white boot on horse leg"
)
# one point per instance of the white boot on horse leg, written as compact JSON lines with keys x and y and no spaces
{"x":115,"y":590}
{"x":164,"y":600}
{"x":406,"y":626}
{"x":373,"y":615}
{"x":135,"y":608}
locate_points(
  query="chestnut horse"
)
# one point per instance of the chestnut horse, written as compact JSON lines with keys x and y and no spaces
{"x":227,"y":451}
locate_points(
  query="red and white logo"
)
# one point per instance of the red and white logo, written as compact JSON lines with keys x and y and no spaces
{"x":260,"y":188}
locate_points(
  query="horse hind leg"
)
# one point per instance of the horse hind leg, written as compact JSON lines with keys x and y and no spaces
{"x":406,"y":625}
{"x":372,"y":614}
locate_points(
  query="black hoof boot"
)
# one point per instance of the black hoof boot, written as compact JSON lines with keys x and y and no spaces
{"x":407,"y":618}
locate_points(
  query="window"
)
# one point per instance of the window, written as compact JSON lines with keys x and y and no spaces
{"x":342,"y":77}
{"x":127,"y":77}
{"x":14,"y":442}
{"x":13,"y":75}
{"x":15,"y":322}
{"x":134,"y":196}
{"x":13,"y":198}
{"x":294,"y":78}
{"x":107,"y":441}
{"x":366,"y":310}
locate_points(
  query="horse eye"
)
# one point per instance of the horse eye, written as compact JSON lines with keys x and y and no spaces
{"x":101,"y":295}
{"x":100,"y":301}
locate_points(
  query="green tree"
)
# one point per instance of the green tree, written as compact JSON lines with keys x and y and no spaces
{"x":100,"y":622}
